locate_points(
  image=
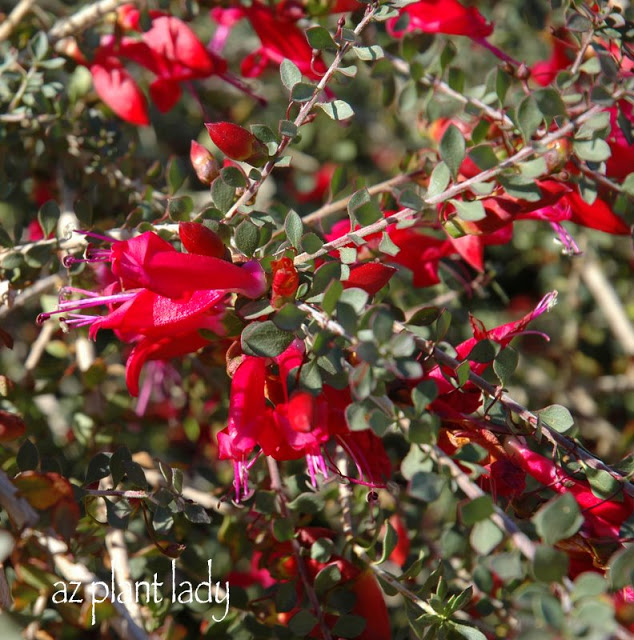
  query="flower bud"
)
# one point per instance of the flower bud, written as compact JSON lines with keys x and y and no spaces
{"x":199,"y":239}
{"x":237,"y":143}
{"x":285,"y":280}
{"x":204,"y":163}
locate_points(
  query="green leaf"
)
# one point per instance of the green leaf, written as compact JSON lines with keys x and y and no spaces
{"x":476,"y":510}
{"x":505,"y":364}
{"x":390,"y":540}
{"x":529,"y":117}
{"x":438,"y":180}
{"x":349,"y":626}
{"x":387,"y":245}
{"x":558,"y":519}
{"x":47,"y":216}
{"x":549,"y":102}
{"x":302,"y":92}
{"x":471,"y":210}
{"x":290,"y":74}
{"x":483,"y":351}
{"x":135,"y":473}
{"x":311,"y":242}
{"x":28,"y":457}
{"x":179,"y":208}
{"x":484,"y":156}
{"x":320,"y":38}
{"x":470,"y":633}
{"x":373,"y":52}
{"x":557,"y":418}
{"x":502,"y":83}
{"x":264,"y":339}
{"x":595,"y":150}
{"x":176,"y":175}
{"x":337,"y":109}
{"x":246,"y":237}
{"x":289,"y":318}
{"x":283,"y":529}
{"x":324,"y":276}
{"x":286,"y":596}
{"x":549,"y":565}
{"x":485,"y":536}
{"x":222,"y":194}
{"x":117,"y":460}
{"x":196,"y":513}
{"x":621,"y":572}
{"x":233,"y":177}
{"x":302,"y":623}
{"x":307,"y":502}
{"x":322,"y":549}
{"x":327,"y":578}
{"x":427,"y":486}
{"x":294,"y":228}
{"x":288,"y":129}
{"x":98,"y":468}
{"x":603,"y":484}
{"x":452,"y":149}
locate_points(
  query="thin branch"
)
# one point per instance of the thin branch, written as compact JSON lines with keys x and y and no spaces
{"x":611,"y":307}
{"x":33,"y":291}
{"x":436,"y":83}
{"x":585,"y":43}
{"x":473,"y":491}
{"x":13,"y":19}
{"x":120,"y":563}
{"x":455,"y":189}
{"x":83,"y":19}
{"x":529,"y":417}
{"x":72,"y":571}
{"x":338,"y":205}
{"x":18,"y":509}
{"x":301,"y":118}
{"x":277,"y":486}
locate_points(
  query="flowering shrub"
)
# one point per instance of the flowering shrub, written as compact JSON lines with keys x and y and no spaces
{"x":317,"y":319}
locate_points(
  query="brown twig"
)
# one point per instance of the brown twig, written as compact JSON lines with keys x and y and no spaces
{"x":13,"y":19}
{"x":537,"y":147}
{"x":607,"y":300}
{"x":84,"y":18}
{"x":436,"y":83}
{"x":301,"y":118}
{"x":277,"y":486}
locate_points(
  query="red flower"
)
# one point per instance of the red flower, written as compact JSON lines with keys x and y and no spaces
{"x":545,"y":71}
{"x":420,"y":253}
{"x":603,"y":518}
{"x":169,"y":49}
{"x":150,"y":262}
{"x":285,"y":281}
{"x":296,"y":424}
{"x":280,"y":38}
{"x":442,"y":16}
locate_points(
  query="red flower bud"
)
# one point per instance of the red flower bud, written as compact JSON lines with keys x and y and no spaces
{"x":285,"y":280}
{"x":236,"y":142}
{"x":199,"y":239}
{"x":204,"y":163}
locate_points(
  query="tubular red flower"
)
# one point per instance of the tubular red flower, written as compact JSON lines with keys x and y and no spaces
{"x":442,"y":16}
{"x":148,"y":261}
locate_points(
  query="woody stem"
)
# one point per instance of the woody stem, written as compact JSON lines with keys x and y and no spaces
{"x":278,"y":487}
{"x":537,"y":148}
{"x":301,"y":118}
